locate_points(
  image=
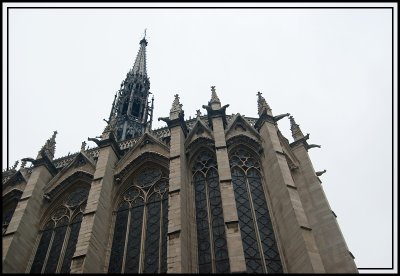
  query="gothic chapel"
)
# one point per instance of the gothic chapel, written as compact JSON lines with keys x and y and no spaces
{"x":214,"y":194}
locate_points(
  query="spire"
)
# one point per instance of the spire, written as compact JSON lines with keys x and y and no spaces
{"x":140,"y":63}
{"x":296,"y":131}
{"x":263,"y":105}
{"x":49,"y":147}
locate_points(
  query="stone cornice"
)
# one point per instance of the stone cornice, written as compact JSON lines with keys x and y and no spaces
{"x":216,"y":113}
{"x":45,"y":161}
{"x":110,"y":141}
{"x":264,"y":118}
{"x":176,"y":122}
{"x":301,"y":141}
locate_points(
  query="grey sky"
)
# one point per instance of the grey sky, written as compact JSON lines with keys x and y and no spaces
{"x":331,"y":69}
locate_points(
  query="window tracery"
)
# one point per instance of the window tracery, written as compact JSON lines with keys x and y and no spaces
{"x":211,"y":239}
{"x":59,"y":236}
{"x":259,"y":243}
{"x":141,"y":224}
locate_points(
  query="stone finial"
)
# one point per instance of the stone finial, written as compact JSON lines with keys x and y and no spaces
{"x":296,"y":131}
{"x":198,"y":113}
{"x":263,"y":105}
{"x":49,"y":147}
{"x":83,"y":146}
{"x":15,"y":165}
{"x":214,"y":97}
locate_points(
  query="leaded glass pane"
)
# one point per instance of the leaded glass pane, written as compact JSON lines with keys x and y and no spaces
{"x":149,"y":217}
{"x":73,"y":238}
{"x":134,"y":237}
{"x":117,"y":249}
{"x":271,"y":253}
{"x":211,"y":239}
{"x":254,"y":215}
{"x":203,"y":238}
{"x":42,"y":249}
{"x":250,"y":247}
{"x":218,"y":226}
{"x":164,"y":234}
{"x":58,"y":240}
{"x":152,"y":235}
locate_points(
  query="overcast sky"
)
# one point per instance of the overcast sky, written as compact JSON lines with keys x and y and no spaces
{"x":330,"y":68}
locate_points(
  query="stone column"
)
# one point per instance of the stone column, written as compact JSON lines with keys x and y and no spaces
{"x":234,"y":241}
{"x":295,"y":236}
{"x":331,"y":244}
{"x":91,"y":247}
{"x":178,"y":253}
{"x":22,"y":232}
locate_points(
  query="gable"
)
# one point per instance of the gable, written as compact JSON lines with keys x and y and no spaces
{"x":240,"y":126}
{"x":146,"y":144}
{"x":82,"y":165}
{"x":199,"y":130}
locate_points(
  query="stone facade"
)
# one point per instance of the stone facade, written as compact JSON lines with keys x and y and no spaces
{"x":139,"y":204}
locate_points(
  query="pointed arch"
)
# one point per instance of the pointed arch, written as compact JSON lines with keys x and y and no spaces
{"x":256,"y":229}
{"x":212,"y":248}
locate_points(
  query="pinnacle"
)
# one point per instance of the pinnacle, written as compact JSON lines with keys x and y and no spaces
{"x":49,"y":147}
{"x":263,"y":105}
{"x":296,"y":131}
{"x":214,"y":97}
{"x":176,"y":105}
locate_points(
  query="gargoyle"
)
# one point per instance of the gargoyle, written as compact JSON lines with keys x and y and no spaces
{"x":165,"y":119}
{"x":28,"y":159}
{"x":97,"y":141}
{"x":278,"y":117}
{"x":320,"y":173}
{"x":313,"y":146}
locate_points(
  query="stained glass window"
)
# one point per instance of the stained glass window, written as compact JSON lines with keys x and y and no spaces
{"x":60,"y":235}
{"x":211,"y":239}
{"x":141,"y":225}
{"x":259,"y":243}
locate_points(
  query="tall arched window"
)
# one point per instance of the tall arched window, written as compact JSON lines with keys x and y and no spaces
{"x":59,"y":236}
{"x":211,"y":239}
{"x":141,"y":226}
{"x":259,"y":243}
